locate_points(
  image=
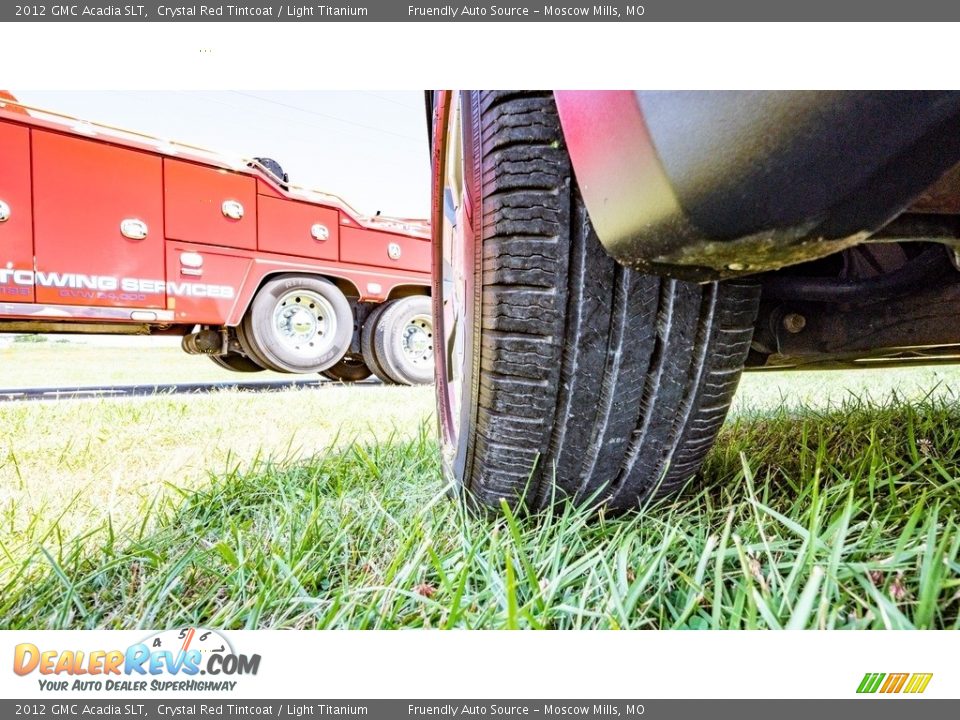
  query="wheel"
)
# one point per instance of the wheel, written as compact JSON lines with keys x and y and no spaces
{"x":297,"y":324}
{"x":403,"y":341}
{"x":367,"y":348}
{"x":237,"y":363}
{"x":349,"y":369}
{"x":560,"y":372}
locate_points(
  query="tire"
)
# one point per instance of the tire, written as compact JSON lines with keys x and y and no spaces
{"x":297,"y":324}
{"x":367,"y":348}
{"x":403,"y":341}
{"x":349,"y":369}
{"x":250,"y":347}
{"x":275,"y":169}
{"x":561,"y":374}
{"x":237,"y":363}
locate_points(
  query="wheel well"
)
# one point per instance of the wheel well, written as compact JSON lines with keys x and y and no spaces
{"x":346,"y":287}
{"x":402,"y":291}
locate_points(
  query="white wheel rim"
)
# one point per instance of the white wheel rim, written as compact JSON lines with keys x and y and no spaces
{"x":416,"y":341}
{"x":304,"y":323}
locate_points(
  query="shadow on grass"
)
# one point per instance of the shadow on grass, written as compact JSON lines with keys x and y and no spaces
{"x":837,"y":519}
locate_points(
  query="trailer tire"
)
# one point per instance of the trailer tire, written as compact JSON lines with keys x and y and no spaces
{"x":350,"y":369}
{"x":237,"y":363}
{"x":403,"y":341}
{"x":562,"y":374}
{"x":367,"y":348}
{"x":297,"y":324}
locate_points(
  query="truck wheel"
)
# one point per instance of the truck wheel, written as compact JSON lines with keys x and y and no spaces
{"x":560,"y":372}
{"x":349,"y":369}
{"x":403,"y":341}
{"x":297,"y":324}
{"x":236,"y":362}
{"x":367,"y":345}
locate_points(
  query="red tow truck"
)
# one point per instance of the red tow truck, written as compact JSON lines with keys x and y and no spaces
{"x":104,"y":230}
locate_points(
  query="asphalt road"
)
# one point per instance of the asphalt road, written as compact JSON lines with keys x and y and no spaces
{"x":120,"y":391}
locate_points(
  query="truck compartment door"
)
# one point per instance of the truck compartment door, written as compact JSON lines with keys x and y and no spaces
{"x":204,"y":282}
{"x":385,"y":250}
{"x":98,"y":223}
{"x":210,"y":206}
{"x":16,"y":215}
{"x":296,"y":228}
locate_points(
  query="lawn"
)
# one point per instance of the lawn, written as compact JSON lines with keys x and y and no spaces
{"x":830,"y":501}
{"x":42,"y":360}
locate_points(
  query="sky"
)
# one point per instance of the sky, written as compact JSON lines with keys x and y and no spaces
{"x":368,"y":147}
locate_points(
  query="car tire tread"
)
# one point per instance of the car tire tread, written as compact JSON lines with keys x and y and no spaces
{"x":596,"y":382}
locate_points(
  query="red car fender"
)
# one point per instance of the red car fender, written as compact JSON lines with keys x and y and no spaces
{"x":614,"y":160}
{"x":704,"y":185}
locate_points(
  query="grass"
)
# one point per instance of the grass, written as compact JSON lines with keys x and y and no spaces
{"x":36,"y":360}
{"x":79,"y":465}
{"x":72,"y":468}
{"x":818,"y":508}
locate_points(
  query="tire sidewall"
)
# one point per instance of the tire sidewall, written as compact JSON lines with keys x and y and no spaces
{"x":368,"y":345}
{"x":388,"y":333}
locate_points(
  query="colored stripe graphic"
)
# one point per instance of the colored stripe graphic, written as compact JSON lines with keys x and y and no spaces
{"x":918,"y":682}
{"x":894,"y":683}
{"x":870,"y":682}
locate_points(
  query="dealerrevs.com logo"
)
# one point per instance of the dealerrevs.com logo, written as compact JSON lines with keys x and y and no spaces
{"x":184,"y":660}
